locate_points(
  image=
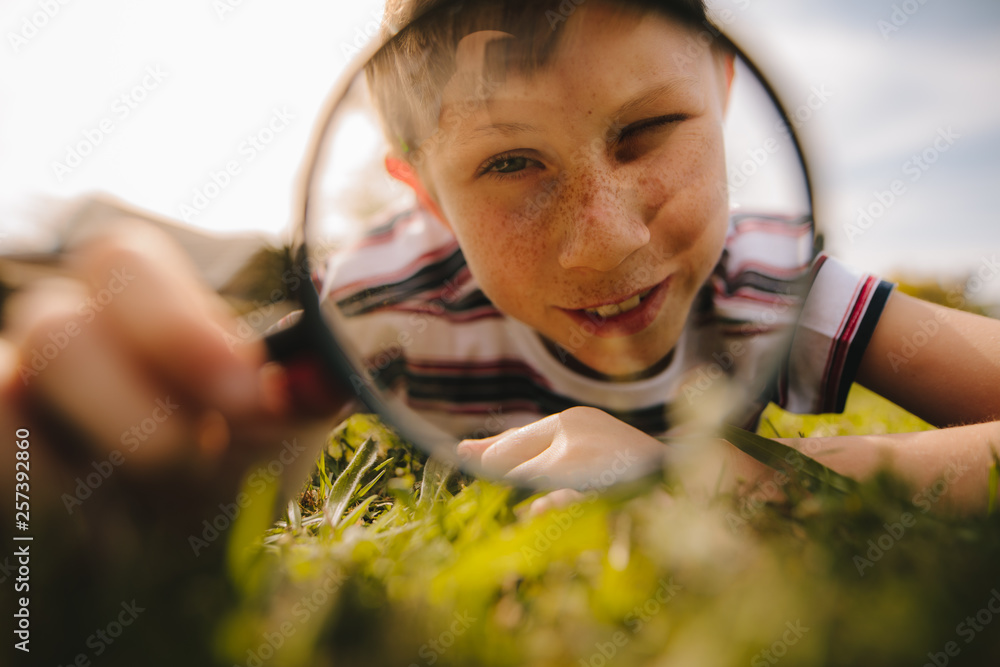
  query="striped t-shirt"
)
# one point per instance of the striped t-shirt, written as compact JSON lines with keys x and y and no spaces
{"x":773,"y":323}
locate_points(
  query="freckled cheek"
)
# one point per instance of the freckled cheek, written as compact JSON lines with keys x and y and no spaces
{"x":503,"y":254}
{"x":691,"y":214}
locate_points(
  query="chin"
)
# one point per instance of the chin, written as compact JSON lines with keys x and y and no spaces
{"x":614,"y":360}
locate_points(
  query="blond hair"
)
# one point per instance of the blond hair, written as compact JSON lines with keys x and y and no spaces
{"x":406,"y":76}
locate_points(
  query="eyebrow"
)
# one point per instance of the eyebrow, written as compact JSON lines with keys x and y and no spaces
{"x":652,"y":94}
{"x":644,"y":98}
{"x":502,"y":129}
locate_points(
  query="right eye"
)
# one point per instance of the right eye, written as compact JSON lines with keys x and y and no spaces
{"x":507,"y":165}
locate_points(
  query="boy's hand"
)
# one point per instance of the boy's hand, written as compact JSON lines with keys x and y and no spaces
{"x":128,"y":357}
{"x":578,"y":448}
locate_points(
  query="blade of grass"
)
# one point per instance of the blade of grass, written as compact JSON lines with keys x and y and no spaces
{"x":778,"y":456}
{"x":352,"y":517}
{"x":323,"y":477}
{"x":343,"y":489}
{"x":991,"y":504}
{"x":294,"y":516}
{"x":369,"y":485}
{"x":436,"y":475}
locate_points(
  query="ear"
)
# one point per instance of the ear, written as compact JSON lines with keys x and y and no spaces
{"x":728,"y":70}
{"x":404,"y":172}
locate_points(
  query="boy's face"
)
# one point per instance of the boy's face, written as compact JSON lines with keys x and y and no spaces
{"x":589,"y":196}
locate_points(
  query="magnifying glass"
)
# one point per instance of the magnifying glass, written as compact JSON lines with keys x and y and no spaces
{"x":511,"y":210}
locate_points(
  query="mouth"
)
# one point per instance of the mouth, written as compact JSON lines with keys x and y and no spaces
{"x":615,"y":309}
{"x":624,"y":317}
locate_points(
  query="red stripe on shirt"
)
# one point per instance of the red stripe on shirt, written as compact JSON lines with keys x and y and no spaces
{"x":843,"y":345}
{"x":397,"y":276}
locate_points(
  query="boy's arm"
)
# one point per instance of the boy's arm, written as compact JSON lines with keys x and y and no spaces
{"x":960,"y":456}
{"x":942,"y":365}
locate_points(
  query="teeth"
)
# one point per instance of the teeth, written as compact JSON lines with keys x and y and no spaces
{"x":614,"y":309}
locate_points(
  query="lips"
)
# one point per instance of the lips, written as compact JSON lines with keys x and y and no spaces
{"x":625,"y":317}
{"x":614,"y":309}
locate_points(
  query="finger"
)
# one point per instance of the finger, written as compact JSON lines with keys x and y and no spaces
{"x":470,"y":452}
{"x":517,"y":446}
{"x":81,"y":374}
{"x":148,"y":292}
{"x":545,"y":470}
{"x":554,"y":500}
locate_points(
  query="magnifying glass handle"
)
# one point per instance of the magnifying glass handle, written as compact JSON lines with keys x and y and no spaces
{"x":315,"y":391}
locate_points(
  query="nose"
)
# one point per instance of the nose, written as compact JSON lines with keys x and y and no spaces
{"x":602,"y":221}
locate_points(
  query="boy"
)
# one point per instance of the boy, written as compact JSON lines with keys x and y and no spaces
{"x":635,"y":229}
{"x":569,"y":171}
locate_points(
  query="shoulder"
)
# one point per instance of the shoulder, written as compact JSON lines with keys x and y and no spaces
{"x":768,"y":242}
{"x":411,"y":261}
{"x":389,"y":252}
{"x":765,"y":259}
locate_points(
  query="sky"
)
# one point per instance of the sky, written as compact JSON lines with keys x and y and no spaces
{"x":904,"y":79}
{"x":203,"y":111}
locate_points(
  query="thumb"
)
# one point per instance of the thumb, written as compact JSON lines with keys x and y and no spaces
{"x":470,"y":452}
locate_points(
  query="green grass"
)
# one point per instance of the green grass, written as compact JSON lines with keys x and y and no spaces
{"x":390,"y":559}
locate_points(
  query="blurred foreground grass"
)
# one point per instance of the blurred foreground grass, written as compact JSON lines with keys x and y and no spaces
{"x":389,"y":559}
